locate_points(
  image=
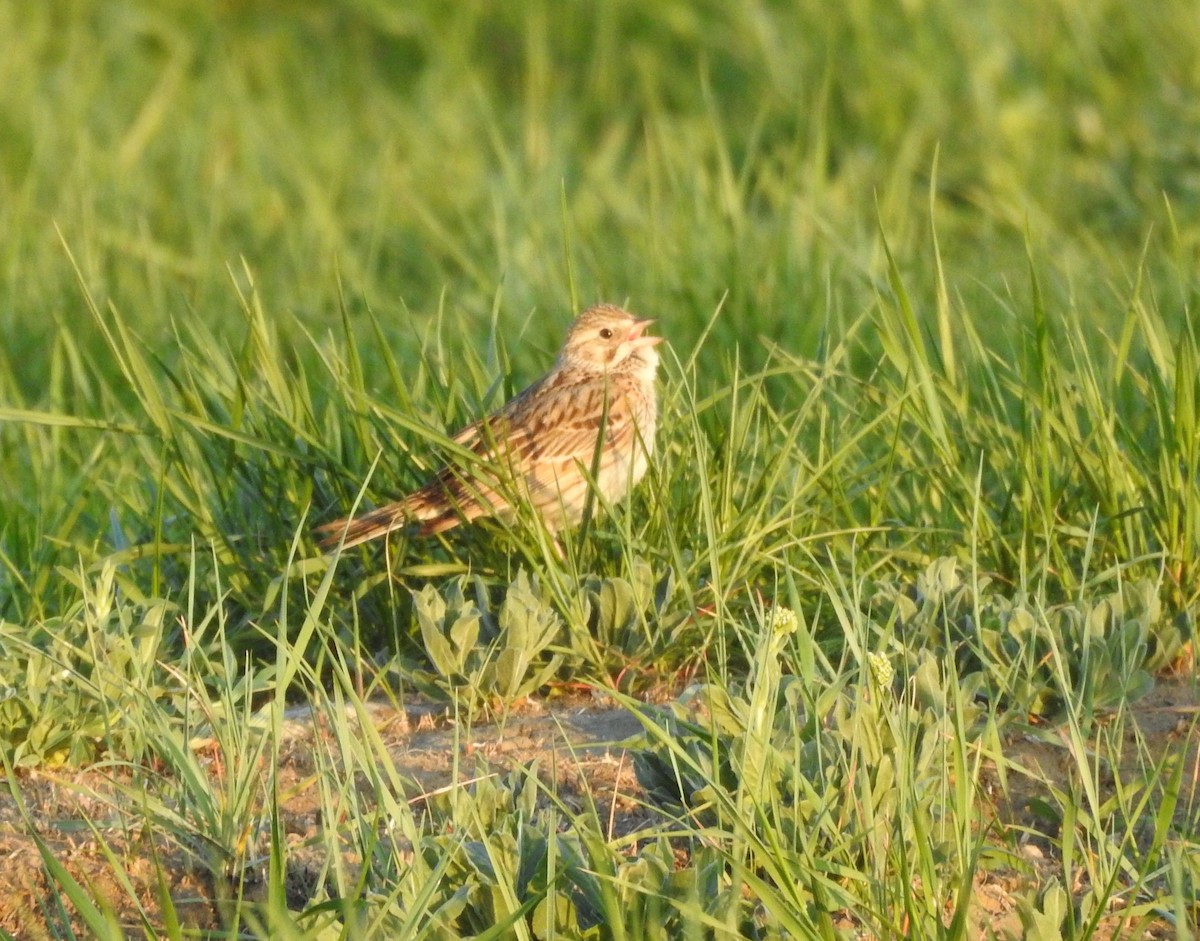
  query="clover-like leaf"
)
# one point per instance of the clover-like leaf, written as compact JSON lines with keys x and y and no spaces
{"x":430,"y":610}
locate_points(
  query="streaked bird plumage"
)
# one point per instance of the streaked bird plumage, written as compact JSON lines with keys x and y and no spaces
{"x":543,"y":448}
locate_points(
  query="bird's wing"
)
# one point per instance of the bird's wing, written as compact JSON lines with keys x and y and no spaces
{"x":548,"y":423}
{"x":561,"y":427}
{"x":534,"y":445}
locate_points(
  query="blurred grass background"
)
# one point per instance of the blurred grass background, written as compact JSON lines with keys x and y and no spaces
{"x":702,"y":148}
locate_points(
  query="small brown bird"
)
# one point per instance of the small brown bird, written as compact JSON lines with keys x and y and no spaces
{"x":543,"y":447}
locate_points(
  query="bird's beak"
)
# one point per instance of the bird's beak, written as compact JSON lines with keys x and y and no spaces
{"x":635,"y":334}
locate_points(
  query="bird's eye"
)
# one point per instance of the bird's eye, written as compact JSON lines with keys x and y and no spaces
{"x":605,"y":333}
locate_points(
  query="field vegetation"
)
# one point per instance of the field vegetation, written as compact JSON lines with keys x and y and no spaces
{"x":896,"y":639}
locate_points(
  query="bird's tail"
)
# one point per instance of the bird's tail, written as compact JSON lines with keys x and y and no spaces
{"x":426,"y":512}
{"x":360,"y":529}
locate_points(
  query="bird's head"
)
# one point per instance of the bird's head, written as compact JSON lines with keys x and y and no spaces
{"x":607,"y":339}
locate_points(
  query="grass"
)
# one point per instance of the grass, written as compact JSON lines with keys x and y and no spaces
{"x":928,"y":278}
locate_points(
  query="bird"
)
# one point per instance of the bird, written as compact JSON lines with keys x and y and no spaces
{"x":589,"y":421}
